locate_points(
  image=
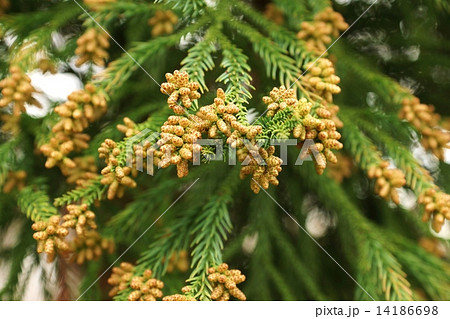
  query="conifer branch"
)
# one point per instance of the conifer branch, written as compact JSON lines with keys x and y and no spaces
{"x":35,"y":204}
{"x":87,"y":195}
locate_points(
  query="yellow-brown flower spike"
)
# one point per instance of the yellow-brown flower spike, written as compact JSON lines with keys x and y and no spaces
{"x":14,"y":180}
{"x":178,"y":261}
{"x":117,"y":177}
{"x":11,"y":123}
{"x":426,"y":121}
{"x":90,"y":246}
{"x":98,"y":4}
{"x":273,"y":13}
{"x":60,"y":145}
{"x":83,"y":173}
{"x":318,"y":34}
{"x":279,"y":99}
{"x":18,"y":91}
{"x":92,"y":46}
{"x":433,"y":245}
{"x":342,"y":169}
{"x":129,"y":129}
{"x":120,"y":278}
{"x":387,"y":180}
{"x":181,"y":92}
{"x":261,"y":164}
{"x":80,"y":218}
{"x":224,"y":281}
{"x":163,"y":22}
{"x":436,"y":207}
{"x":178,"y":297}
{"x":46,"y":65}
{"x":145,"y":287}
{"x":50,"y":237}
{"x":321,"y":79}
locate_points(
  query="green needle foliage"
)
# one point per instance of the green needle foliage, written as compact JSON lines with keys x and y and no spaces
{"x":181,"y":228}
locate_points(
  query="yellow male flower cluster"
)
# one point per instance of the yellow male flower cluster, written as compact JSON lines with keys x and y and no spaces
{"x":114,"y":175}
{"x":321,"y":79}
{"x":318,"y":34}
{"x":224,"y":281}
{"x":433,"y":245}
{"x":80,"y":218}
{"x":90,"y":246}
{"x":177,"y":145}
{"x":46,"y":65}
{"x":145,"y":288}
{"x":181,"y":92}
{"x":263,"y":166}
{"x":59,"y":147}
{"x":387,"y":180}
{"x":92,"y":46}
{"x":178,"y":261}
{"x":279,"y":99}
{"x":84,"y":171}
{"x":129,"y":129}
{"x":14,"y":180}
{"x":342,"y":169}
{"x":178,"y":297}
{"x":163,"y":22}
{"x":273,"y":13}
{"x":83,"y":107}
{"x":426,"y":121}
{"x":98,"y":4}
{"x":50,"y":237}
{"x":318,"y":126}
{"x":18,"y":91}
{"x":4,"y":5}
{"x":437,"y":207}
{"x":11,"y":123}
{"x":120,"y":278}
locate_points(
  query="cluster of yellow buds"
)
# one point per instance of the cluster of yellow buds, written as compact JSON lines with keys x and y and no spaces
{"x":92,"y":46}
{"x":60,"y":145}
{"x":437,"y":207}
{"x":84,"y":171}
{"x":178,"y":261}
{"x":163,"y":22}
{"x":50,"y":237}
{"x":90,"y":246}
{"x":129,"y":129}
{"x":426,"y":121}
{"x":177,"y":145}
{"x":342,"y":169}
{"x":120,"y":278}
{"x":80,"y":218}
{"x":321,"y":79}
{"x":387,"y":180}
{"x":46,"y":65}
{"x":83,"y":107}
{"x":181,"y":92}
{"x":114,"y":175}
{"x":318,"y":34}
{"x":320,"y":128}
{"x":433,"y":245}
{"x":14,"y":180}
{"x":279,"y":99}
{"x":98,"y":4}
{"x":178,"y":297}
{"x":11,"y":123}
{"x":4,"y":5}
{"x":262,"y":165}
{"x":273,"y":13}
{"x":17,"y":89}
{"x":224,"y":281}
{"x":145,"y":288}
